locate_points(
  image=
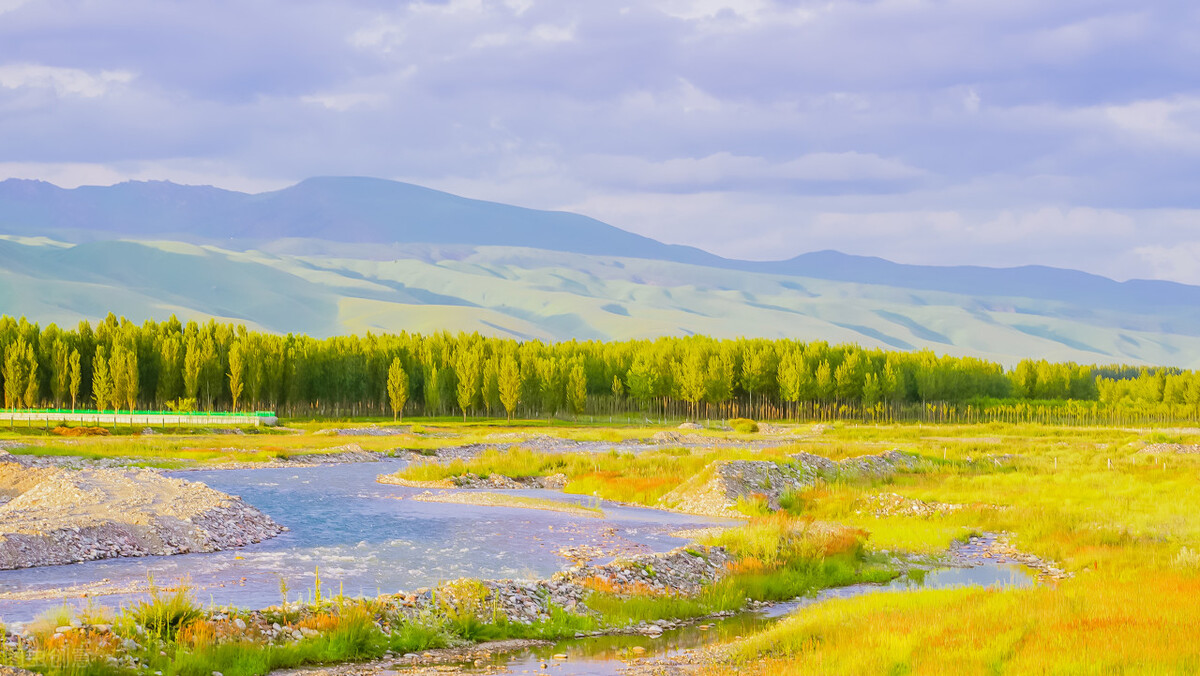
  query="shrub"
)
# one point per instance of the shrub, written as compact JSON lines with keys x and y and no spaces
{"x":743,"y":425}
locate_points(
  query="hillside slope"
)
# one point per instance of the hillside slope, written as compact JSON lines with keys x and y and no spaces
{"x":330,"y":255}
{"x":533,"y":293}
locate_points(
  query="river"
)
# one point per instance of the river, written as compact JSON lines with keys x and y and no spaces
{"x":365,"y":538}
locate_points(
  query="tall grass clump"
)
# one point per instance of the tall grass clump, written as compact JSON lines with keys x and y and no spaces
{"x":165,"y":614}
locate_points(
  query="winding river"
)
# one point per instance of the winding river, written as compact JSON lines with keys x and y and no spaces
{"x":368,"y":538}
{"x":364,"y":537}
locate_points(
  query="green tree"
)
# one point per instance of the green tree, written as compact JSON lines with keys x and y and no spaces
{"x":60,"y":372}
{"x":691,"y":376}
{"x":510,"y":383}
{"x":123,"y":374}
{"x":1024,"y":379}
{"x":871,"y":392}
{"x":825,"y":385}
{"x":718,"y":386}
{"x":170,"y":384}
{"x":32,"y":385}
{"x":237,"y":372}
{"x":397,"y":388}
{"x":193,"y":365}
{"x":76,"y":377}
{"x":848,"y":377}
{"x":432,"y":389}
{"x":577,"y":389}
{"x":132,"y":378}
{"x":643,"y":379}
{"x":16,"y":373}
{"x":759,"y":362}
{"x":102,"y":385}
{"x":491,"y":385}
{"x":468,"y":368}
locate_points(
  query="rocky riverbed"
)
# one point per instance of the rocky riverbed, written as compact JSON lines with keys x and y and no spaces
{"x":717,"y":490}
{"x":53,"y":515}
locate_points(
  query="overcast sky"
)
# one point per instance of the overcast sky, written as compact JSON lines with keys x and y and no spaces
{"x":994,"y":132}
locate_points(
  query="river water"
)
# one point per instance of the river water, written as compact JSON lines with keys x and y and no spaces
{"x":366,"y":538}
{"x":614,"y":654}
{"x":369,"y":538}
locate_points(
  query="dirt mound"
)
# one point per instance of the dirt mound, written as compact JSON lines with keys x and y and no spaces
{"x":80,"y":431}
{"x":16,"y":479}
{"x":717,"y":490}
{"x":1179,"y":449}
{"x":62,"y":516}
{"x":344,"y":454}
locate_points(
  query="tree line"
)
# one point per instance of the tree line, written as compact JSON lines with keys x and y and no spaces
{"x":117,"y":364}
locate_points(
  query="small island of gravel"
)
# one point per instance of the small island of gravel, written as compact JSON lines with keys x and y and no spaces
{"x":51,"y":515}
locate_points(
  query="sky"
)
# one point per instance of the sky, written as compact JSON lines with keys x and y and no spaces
{"x":989,"y":132}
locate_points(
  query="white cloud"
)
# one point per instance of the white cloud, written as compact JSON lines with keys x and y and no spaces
{"x":75,"y":174}
{"x":10,"y":5}
{"x":341,"y":102}
{"x":971,"y":101}
{"x":1168,"y":122}
{"x":519,"y":7}
{"x":1179,"y":261}
{"x":722,"y":169}
{"x":933,"y":131}
{"x":550,"y":33}
{"x":64,"y":81}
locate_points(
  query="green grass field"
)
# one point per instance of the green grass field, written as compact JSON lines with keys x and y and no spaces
{"x":1092,"y":500}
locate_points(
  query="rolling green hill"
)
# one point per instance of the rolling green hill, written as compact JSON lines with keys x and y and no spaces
{"x":322,"y":289}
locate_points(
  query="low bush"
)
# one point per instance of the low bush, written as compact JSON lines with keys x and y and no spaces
{"x":743,"y":425}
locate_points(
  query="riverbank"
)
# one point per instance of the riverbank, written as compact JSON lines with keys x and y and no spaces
{"x":638,"y":595}
{"x":52,"y":516}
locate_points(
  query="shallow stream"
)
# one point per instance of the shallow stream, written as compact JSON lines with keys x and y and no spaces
{"x":366,"y":538}
{"x":613,"y":654}
{"x":369,"y":538}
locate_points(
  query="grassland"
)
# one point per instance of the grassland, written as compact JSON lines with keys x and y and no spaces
{"x":1121,"y":520}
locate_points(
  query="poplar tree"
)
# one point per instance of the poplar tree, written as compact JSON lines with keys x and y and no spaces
{"x":397,"y":388}
{"x":16,"y":373}
{"x":510,"y":383}
{"x":60,"y":375}
{"x":237,"y":372}
{"x":825,"y":383}
{"x":467,"y":368}
{"x":32,"y":385}
{"x":577,"y":389}
{"x":76,"y":377}
{"x":102,"y":386}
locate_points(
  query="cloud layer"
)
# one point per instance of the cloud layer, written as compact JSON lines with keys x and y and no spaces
{"x":998,"y":132}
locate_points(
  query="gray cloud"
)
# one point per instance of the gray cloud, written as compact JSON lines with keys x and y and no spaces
{"x":757,"y":128}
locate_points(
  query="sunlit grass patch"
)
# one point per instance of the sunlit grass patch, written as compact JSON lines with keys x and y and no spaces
{"x":1095,"y":624}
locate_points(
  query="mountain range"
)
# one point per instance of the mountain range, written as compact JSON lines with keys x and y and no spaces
{"x":336,"y":255}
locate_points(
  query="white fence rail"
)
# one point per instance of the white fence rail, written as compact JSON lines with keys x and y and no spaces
{"x":136,"y":418}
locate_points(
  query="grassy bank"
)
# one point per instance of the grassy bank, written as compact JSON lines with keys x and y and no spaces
{"x":172,"y":634}
{"x":1118,"y":514}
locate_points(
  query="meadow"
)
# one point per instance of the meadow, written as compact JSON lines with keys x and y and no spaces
{"x":1113,"y":507}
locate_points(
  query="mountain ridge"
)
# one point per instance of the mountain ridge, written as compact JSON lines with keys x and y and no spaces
{"x":331,"y":255}
{"x":303,"y":210}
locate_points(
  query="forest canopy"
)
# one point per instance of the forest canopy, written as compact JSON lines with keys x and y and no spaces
{"x":118,"y":364}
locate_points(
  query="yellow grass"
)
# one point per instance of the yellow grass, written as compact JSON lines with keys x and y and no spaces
{"x":1098,"y":624}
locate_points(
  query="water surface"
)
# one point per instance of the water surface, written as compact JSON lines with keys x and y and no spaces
{"x":366,"y":538}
